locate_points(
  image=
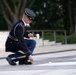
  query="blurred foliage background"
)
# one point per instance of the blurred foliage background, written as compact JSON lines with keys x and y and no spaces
{"x":51,"y":14}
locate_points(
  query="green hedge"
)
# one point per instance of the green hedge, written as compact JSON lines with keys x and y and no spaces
{"x":71,"y":39}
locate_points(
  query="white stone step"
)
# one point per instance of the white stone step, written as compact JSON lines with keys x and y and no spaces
{"x":40,"y":41}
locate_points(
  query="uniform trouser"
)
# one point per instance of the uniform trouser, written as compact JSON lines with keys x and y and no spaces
{"x":17,"y":56}
{"x":30,"y":44}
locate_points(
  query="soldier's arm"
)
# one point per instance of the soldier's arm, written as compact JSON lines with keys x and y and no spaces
{"x":21,"y":43}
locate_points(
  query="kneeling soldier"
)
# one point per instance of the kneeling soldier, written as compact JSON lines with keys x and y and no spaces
{"x":15,"y":42}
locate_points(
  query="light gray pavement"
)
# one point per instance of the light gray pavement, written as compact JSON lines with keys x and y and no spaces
{"x":48,"y":60}
{"x":45,"y":49}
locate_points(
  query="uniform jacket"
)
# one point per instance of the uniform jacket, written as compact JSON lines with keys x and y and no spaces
{"x":17,"y":32}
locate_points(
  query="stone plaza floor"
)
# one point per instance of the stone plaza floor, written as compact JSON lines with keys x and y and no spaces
{"x":48,"y":60}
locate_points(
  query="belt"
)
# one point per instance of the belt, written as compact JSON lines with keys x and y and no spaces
{"x":13,"y":38}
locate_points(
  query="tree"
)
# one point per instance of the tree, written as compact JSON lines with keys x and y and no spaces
{"x":69,"y":12}
{"x":12,"y":9}
{"x":74,"y":15}
{"x":49,"y":14}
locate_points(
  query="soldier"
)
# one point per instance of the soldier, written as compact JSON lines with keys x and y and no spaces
{"x":15,"y":42}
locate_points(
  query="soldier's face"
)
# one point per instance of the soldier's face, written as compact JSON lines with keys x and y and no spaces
{"x":27,"y":20}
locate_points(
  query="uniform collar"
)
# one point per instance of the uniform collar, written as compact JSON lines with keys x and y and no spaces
{"x":24,"y":22}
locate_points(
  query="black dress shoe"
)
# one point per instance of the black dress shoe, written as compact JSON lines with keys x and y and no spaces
{"x":25,"y":62}
{"x":21,"y":62}
{"x":10,"y":61}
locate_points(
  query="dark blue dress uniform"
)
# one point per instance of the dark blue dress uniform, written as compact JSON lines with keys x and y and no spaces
{"x":15,"y":41}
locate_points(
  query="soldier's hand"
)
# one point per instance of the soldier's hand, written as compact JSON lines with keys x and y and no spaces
{"x":31,"y":58}
{"x":30,"y":35}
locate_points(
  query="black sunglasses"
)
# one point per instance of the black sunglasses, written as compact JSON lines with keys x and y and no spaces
{"x":30,"y":18}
